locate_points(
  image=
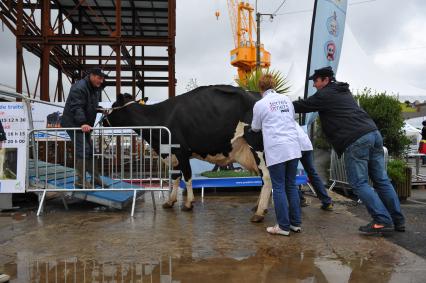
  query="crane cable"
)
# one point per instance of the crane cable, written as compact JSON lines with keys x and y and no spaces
{"x":274,"y":14}
{"x":279,"y":7}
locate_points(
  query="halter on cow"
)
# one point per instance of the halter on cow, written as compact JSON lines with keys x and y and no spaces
{"x":209,"y":123}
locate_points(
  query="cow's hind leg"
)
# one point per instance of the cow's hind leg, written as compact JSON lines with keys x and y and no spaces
{"x":173,"y":195}
{"x":254,"y":162}
{"x":265,"y":194}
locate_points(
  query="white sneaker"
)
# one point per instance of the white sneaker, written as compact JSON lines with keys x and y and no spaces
{"x":296,"y":229}
{"x":276,"y":230}
{"x":4,"y":277}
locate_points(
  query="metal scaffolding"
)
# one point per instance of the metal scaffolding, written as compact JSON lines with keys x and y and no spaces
{"x":133,"y":40}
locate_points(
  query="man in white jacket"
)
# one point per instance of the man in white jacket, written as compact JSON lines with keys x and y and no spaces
{"x":274,"y":115}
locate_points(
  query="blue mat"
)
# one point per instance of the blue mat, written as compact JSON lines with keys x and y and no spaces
{"x":204,"y":182}
{"x":199,"y":181}
{"x":68,"y":183}
{"x":112,"y":198}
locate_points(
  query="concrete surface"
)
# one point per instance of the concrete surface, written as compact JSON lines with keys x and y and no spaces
{"x":414,"y":209}
{"x":214,"y":243}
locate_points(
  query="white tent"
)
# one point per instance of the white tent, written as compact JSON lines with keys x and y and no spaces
{"x":412,"y":133}
{"x":359,"y":70}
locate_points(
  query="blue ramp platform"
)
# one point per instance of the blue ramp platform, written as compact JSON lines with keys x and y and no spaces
{"x":199,"y":181}
{"x":57,"y":178}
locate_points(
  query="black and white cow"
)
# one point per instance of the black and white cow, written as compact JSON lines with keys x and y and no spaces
{"x":209,"y":123}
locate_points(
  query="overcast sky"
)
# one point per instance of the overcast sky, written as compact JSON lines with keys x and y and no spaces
{"x":391,"y":33}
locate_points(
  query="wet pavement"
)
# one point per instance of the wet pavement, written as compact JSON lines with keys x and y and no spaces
{"x":214,"y":243}
{"x":414,"y":209}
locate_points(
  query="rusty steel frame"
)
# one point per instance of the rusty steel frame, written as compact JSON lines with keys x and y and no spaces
{"x":68,"y":52}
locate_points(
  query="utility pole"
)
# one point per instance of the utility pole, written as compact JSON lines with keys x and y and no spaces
{"x":257,"y":37}
{"x":258,"y":15}
{"x":258,"y":18}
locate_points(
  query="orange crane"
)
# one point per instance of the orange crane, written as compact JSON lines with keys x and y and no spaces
{"x":243,"y":56}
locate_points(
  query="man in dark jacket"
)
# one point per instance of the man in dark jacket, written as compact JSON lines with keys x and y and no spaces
{"x":2,"y":135}
{"x":80,"y":112}
{"x":2,"y":156}
{"x":351,"y":131}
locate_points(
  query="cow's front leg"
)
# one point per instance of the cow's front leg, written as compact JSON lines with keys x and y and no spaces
{"x":173,"y":195}
{"x":187,"y":175}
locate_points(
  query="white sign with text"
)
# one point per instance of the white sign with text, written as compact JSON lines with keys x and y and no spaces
{"x":13,"y":117}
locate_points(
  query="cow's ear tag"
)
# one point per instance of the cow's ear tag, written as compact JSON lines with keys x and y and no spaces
{"x":141,"y":102}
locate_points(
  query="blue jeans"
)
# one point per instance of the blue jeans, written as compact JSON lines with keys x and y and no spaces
{"x":83,"y":144}
{"x":307,"y":161}
{"x":364,"y":158}
{"x":285,"y":194}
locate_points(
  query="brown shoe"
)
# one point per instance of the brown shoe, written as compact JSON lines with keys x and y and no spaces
{"x":94,"y":172}
{"x":80,"y":185}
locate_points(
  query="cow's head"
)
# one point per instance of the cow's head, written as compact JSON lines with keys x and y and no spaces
{"x":118,"y":115}
{"x":122,"y":99}
{"x":114,"y":115}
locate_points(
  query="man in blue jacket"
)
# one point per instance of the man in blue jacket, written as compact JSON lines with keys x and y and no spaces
{"x":351,"y":131}
{"x":80,"y":112}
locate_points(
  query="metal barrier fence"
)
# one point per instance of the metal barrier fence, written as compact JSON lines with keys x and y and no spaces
{"x":74,"y":269}
{"x":338,"y":171}
{"x":113,"y":157}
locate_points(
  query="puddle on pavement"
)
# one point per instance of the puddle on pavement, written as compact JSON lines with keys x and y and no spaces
{"x":261,"y":267}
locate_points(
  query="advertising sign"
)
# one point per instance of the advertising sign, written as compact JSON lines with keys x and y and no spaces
{"x":48,"y":116}
{"x":13,"y":164}
{"x":328,"y":26}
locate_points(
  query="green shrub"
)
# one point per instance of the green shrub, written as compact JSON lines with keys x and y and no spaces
{"x":320,"y":141}
{"x":386,"y":112}
{"x":396,"y":170}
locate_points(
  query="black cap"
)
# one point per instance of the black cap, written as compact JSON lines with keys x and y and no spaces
{"x":323,"y":73}
{"x":98,"y":71}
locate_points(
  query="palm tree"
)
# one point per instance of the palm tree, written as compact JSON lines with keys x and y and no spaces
{"x":251,"y":82}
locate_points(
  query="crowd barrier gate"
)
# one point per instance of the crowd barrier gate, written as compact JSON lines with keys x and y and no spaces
{"x":73,"y":269}
{"x":338,"y":171}
{"x":124,"y":159}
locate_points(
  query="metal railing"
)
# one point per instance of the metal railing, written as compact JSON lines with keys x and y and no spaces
{"x":110,"y":156}
{"x":338,"y":170}
{"x":74,"y":269}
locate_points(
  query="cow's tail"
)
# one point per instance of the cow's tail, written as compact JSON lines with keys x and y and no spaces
{"x":254,"y":139}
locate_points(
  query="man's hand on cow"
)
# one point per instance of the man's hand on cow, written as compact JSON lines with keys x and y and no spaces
{"x":251,"y":130}
{"x":102,"y":110}
{"x":86,"y":128}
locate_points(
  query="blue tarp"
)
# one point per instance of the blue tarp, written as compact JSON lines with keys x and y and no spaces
{"x":199,"y":181}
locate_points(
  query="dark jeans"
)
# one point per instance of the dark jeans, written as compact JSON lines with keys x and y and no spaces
{"x":285,"y":194}
{"x":83,"y":144}
{"x":307,"y":161}
{"x":364,"y":158}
